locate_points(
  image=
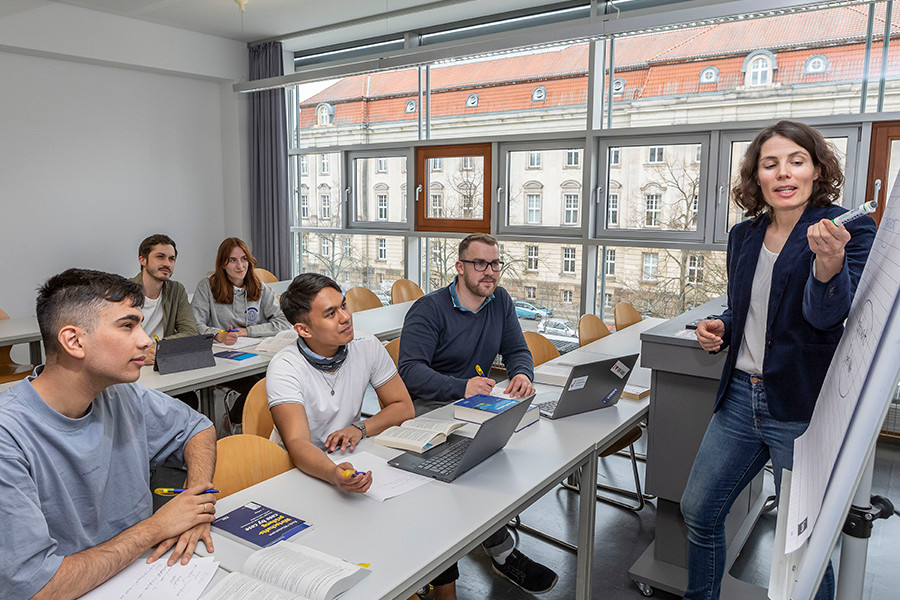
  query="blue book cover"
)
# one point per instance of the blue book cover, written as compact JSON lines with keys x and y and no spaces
{"x":234,"y":354}
{"x":259,"y":525}
{"x":491,"y":404}
{"x":481,"y":407}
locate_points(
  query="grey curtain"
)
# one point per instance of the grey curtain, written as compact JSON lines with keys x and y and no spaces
{"x":269,"y":209}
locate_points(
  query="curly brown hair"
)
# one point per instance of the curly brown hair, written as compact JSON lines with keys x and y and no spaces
{"x":826,"y":188}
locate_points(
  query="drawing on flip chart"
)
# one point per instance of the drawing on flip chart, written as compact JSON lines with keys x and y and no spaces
{"x":859,"y":337}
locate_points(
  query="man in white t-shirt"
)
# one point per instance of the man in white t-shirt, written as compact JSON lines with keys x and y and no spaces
{"x":316,"y":386}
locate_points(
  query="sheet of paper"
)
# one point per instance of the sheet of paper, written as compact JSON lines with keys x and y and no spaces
{"x":816,"y":450}
{"x":687,"y":334}
{"x":139,"y":581}
{"x":240,"y":344}
{"x":387,"y":482}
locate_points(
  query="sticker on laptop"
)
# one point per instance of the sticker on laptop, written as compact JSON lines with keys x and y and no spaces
{"x":578,"y":383}
{"x":620,"y":369}
{"x":609,"y":397}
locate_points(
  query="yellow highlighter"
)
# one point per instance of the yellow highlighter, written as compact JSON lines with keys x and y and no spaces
{"x":351,"y":473}
{"x":479,"y":371}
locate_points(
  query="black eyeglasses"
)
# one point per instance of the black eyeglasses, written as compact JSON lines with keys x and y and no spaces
{"x":482,"y":265}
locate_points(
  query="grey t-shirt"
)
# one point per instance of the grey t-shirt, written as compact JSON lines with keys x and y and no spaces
{"x":70,"y":484}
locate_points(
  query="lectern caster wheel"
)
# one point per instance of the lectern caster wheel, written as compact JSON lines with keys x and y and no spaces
{"x":645,"y":589}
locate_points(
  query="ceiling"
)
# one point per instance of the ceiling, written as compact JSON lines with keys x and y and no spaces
{"x":303,"y":24}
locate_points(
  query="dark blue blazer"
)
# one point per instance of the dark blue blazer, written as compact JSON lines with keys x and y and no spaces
{"x":806,"y":316}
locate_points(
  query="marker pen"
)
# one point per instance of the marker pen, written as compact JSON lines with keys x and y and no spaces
{"x":851,"y":215}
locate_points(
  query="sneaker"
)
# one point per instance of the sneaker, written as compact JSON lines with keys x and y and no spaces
{"x":530,"y":576}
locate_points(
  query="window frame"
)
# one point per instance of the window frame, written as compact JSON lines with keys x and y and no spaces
{"x":424,"y":222}
{"x":564,"y":145}
{"x":645,"y":235}
{"x":350,"y":178}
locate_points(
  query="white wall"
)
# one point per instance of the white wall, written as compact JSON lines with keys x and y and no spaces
{"x":103,"y":143}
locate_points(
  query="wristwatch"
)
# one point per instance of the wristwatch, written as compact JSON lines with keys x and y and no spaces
{"x":361,"y":425}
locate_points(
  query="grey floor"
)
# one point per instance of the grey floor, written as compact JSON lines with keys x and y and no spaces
{"x":622,"y":536}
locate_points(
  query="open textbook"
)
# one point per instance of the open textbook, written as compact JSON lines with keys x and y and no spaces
{"x":417,"y":435}
{"x":273,"y":344}
{"x":288,"y":571}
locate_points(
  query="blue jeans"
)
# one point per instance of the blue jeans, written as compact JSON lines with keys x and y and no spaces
{"x":742,"y":436}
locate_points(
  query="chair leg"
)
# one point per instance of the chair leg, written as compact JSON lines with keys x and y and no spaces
{"x":516,"y":524}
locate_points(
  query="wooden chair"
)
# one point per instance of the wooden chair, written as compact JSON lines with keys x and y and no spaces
{"x":244,"y":460}
{"x":9,"y":369}
{"x":256,"y":419}
{"x":405,"y":290}
{"x":626,"y":315}
{"x":541,"y":348}
{"x":360,"y":298}
{"x":590,"y":329}
{"x":393,"y":348}
{"x":265,"y":276}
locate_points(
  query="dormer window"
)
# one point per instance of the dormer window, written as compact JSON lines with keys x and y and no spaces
{"x":759,"y":68}
{"x":539,"y":94}
{"x":324,"y":114}
{"x":472,"y":101}
{"x":411,"y":106}
{"x":618,"y":86}
{"x":709,"y":75}
{"x":815,"y":64}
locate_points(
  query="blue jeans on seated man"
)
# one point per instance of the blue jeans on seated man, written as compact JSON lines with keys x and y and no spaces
{"x":742,"y":436}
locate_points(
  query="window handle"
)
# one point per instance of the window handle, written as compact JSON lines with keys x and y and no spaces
{"x":877,"y":189}
{"x":347,"y":193}
{"x":499,"y":194}
{"x":721,"y":195}
{"x":418,"y":191}
{"x":597,"y":193}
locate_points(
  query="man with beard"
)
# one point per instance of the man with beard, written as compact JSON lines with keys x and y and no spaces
{"x":448,"y":337}
{"x":167,"y":312}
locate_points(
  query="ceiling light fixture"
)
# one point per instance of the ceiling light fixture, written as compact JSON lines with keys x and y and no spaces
{"x":241,"y":3}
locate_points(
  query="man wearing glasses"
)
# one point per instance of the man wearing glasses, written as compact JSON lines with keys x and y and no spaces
{"x":451,"y":335}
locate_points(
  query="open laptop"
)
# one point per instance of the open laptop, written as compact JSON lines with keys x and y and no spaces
{"x":589,"y":386}
{"x":459,"y":453}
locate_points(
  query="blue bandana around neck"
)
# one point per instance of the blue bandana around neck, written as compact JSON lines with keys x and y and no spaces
{"x":320,"y":362}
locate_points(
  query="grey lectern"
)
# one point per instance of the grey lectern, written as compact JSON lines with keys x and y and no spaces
{"x":684,"y":380}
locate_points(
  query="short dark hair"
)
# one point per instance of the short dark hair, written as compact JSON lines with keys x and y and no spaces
{"x":154,"y":240}
{"x":826,"y":189}
{"x":75,"y":296}
{"x":296,"y":301}
{"x":476,"y":237}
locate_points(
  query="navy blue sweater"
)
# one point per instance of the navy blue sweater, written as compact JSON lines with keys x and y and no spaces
{"x":441,"y":345}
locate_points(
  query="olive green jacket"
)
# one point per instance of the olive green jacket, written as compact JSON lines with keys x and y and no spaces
{"x":178,"y":318}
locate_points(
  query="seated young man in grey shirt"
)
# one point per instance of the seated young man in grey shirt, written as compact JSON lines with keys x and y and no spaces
{"x":78,"y":440}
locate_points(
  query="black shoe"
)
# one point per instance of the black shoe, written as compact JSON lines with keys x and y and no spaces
{"x":530,"y":576}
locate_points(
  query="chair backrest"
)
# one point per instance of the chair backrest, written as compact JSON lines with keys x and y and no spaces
{"x":393,"y":348}
{"x":405,"y":290}
{"x":590,"y":329}
{"x":541,"y":348}
{"x":256,"y":419}
{"x":626,"y":315}
{"x":265,"y":276}
{"x":244,"y":460}
{"x":360,"y":298}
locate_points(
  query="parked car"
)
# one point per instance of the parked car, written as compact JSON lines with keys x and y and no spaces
{"x":557,"y":327}
{"x":532,"y":310}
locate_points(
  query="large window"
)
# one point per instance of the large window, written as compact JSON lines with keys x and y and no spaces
{"x":549,"y":196}
{"x":316,"y":195}
{"x":379,"y":188}
{"x":459,"y":194}
{"x":351,"y":260}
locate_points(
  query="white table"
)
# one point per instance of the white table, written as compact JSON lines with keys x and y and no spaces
{"x":22,"y":330}
{"x":384,"y":322}
{"x":411,"y":538}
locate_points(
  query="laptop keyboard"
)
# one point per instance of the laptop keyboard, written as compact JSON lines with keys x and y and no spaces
{"x":548,"y":408}
{"x":564,"y":345}
{"x":446,"y":462}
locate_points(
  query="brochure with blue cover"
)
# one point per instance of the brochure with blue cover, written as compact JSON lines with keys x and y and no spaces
{"x":481,"y":407}
{"x":259,"y":525}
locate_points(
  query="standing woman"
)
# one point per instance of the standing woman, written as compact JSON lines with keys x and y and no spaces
{"x":792,"y":275}
{"x":233,"y":303}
